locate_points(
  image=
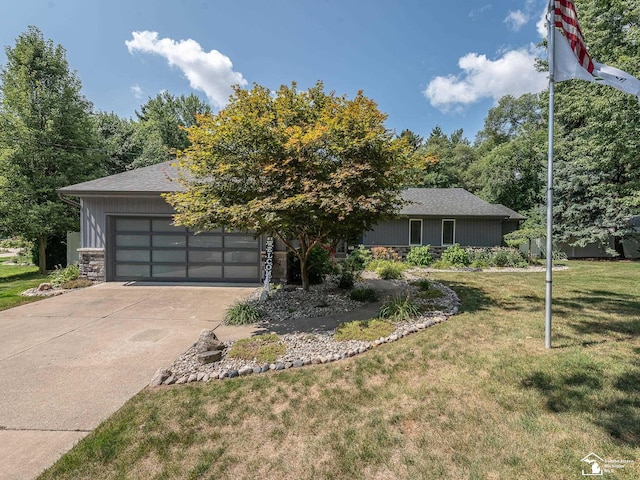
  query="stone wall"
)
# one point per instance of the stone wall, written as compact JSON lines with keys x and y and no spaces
{"x":91,"y":262}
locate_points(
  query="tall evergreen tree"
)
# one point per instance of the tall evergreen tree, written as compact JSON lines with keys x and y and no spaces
{"x":47,"y":140}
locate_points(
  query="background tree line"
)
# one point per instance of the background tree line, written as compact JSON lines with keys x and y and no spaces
{"x":51,"y":136}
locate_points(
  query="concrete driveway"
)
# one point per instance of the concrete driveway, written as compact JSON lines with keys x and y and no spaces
{"x":69,"y":362}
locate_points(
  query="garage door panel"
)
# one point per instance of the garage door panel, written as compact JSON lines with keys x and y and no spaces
{"x":152,"y":248}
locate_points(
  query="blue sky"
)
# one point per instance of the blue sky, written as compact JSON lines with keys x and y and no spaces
{"x":425,"y":63}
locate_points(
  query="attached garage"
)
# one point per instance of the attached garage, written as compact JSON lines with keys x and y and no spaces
{"x":127,"y":233}
{"x":152,"y":248}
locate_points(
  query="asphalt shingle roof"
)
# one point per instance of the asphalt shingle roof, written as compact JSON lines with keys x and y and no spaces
{"x":146,"y":180}
{"x":159,"y":178}
{"x":452,"y":202}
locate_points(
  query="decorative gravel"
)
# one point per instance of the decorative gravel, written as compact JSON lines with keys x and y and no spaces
{"x":305,"y":348}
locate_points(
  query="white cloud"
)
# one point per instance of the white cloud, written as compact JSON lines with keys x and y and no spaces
{"x":541,"y":24}
{"x":212,"y":72}
{"x":513,"y":73}
{"x":137,"y":91}
{"x":516,"y":20}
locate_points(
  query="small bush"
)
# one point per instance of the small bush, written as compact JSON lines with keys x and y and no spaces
{"x":346,"y":280}
{"x":357,"y":260}
{"x":422,"y":284}
{"x":387,"y":269}
{"x":365,"y":330}
{"x":243,"y":313}
{"x":318,"y":265}
{"x":261,"y":348}
{"x":430,"y":294}
{"x":77,"y":283}
{"x":62,"y":275}
{"x":400,"y":308}
{"x":420,"y":256}
{"x":366,"y":294}
{"x":384,"y":253}
{"x":456,"y":256}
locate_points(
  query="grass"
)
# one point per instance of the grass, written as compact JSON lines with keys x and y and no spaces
{"x":477,"y":397}
{"x":15,"y":279}
{"x":364,"y":330}
{"x":261,"y":348}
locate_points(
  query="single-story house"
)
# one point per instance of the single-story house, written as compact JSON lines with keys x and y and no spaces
{"x":126,"y":230}
{"x":441,"y":217}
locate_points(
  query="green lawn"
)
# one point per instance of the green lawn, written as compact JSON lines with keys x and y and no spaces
{"x":475,"y":397}
{"x":14,"y":280}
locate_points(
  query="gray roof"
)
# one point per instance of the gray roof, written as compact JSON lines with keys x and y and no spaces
{"x":154,"y":179}
{"x":452,"y":202}
{"x":160,"y":178}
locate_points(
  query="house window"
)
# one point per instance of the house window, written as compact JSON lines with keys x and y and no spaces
{"x":448,"y":232}
{"x":415,"y":232}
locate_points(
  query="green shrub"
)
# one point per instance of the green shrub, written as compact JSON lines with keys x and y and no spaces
{"x":357,"y":260}
{"x":318,"y":265}
{"x":261,"y":348}
{"x":420,"y":256}
{"x":430,"y":294}
{"x":456,"y":256}
{"x":346,"y":280}
{"x":242,"y":313}
{"x":387,"y":269}
{"x":423,"y":284}
{"x":400,"y":308}
{"x":62,"y":275}
{"x":366,"y":294}
{"x":365,"y":330}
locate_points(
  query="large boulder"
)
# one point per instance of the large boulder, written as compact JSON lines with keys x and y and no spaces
{"x":208,"y":342}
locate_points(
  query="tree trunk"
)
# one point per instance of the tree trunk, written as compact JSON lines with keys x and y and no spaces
{"x":304,"y":273}
{"x":42,"y":254}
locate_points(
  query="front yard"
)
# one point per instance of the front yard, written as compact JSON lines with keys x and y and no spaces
{"x":475,"y":397}
{"x":14,"y":280}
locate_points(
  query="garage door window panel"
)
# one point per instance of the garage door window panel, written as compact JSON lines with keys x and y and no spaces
{"x":169,"y":256}
{"x":132,"y":241}
{"x":132,"y":225}
{"x":205,"y":256}
{"x":168,"y":271}
{"x":169,"y":241}
{"x":133,"y":271}
{"x":240,"y":272}
{"x":240,"y":241}
{"x":205,"y":271}
{"x":133,"y":256}
{"x":205,"y":241}
{"x":241,"y":257}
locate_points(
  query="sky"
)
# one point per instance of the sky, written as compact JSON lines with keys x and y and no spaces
{"x":426,"y":63}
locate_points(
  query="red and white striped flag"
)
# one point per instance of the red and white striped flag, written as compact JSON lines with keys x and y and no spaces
{"x":572,"y":60}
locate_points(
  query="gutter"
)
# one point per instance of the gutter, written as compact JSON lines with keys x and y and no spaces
{"x":68,"y":201}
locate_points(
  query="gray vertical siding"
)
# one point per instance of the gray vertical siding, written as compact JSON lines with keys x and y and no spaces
{"x":468,"y":233}
{"x":95,"y":209}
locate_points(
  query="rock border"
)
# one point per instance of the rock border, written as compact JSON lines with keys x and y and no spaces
{"x":303,"y":349}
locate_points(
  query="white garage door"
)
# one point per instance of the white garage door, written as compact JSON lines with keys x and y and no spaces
{"x":152,"y":248}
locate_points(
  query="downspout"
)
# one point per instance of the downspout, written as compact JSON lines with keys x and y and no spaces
{"x":68,"y":201}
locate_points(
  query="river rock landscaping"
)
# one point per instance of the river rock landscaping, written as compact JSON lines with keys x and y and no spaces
{"x":306,"y":347}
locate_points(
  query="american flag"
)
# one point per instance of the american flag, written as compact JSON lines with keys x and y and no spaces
{"x":566,"y":18}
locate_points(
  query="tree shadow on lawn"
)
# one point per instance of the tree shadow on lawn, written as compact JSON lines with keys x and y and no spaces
{"x":472,"y":299}
{"x":577,"y":392}
{"x":21,"y":276}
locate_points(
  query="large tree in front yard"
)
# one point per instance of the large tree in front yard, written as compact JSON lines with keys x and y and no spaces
{"x":47,"y":140}
{"x":307,"y":167}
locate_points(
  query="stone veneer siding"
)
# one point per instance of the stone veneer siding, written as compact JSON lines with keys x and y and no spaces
{"x":91,"y":262}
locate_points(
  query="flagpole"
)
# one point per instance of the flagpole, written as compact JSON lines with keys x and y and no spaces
{"x":549,"y":255}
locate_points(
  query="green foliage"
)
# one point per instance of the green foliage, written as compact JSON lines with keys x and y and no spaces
{"x":47,"y":140}
{"x":423,"y":284}
{"x":242,"y":313}
{"x":346,"y":280}
{"x":430,"y":294}
{"x":365,"y":330}
{"x":400,"y":308}
{"x":365,"y":294}
{"x":62,"y":275}
{"x":496,"y":257}
{"x":261,"y":348}
{"x":318,"y":266}
{"x":15,"y":242}
{"x":358,"y":259}
{"x":420,"y":256}
{"x":303,"y":166}
{"x":456,"y":256}
{"x":387,"y":269}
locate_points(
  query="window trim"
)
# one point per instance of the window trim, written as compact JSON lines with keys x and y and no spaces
{"x":453,"y":220}
{"x":421,"y":232}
